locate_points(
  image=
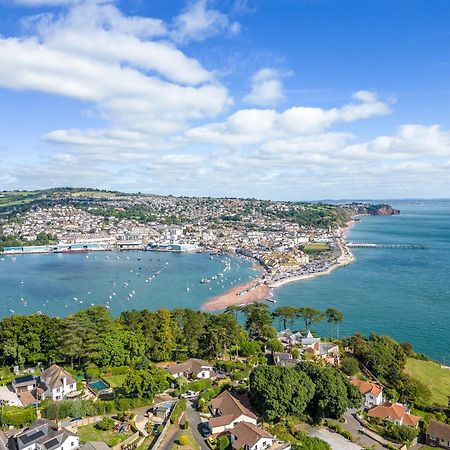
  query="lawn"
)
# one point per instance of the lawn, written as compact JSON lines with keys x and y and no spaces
{"x":109,"y":437}
{"x":314,"y":247}
{"x":116,"y":380}
{"x":429,"y":373}
{"x":192,"y":442}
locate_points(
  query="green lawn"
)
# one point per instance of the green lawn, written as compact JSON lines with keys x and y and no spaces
{"x":116,"y":380}
{"x":429,"y":373}
{"x":109,"y":437}
{"x":316,"y":247}
{"x":192,"y":442}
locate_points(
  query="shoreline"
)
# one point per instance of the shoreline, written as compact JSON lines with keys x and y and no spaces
{"x":230,"y":297}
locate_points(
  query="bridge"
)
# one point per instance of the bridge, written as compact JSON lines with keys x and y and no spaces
{"x":404,"y":246}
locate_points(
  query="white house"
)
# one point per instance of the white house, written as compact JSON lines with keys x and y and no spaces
{"x":192,"y":368}
{"x":372,"y":393}
{"x":55,"y":383}
{"x":44,"y":435}
{"x":250,"y":437}
{"x":228,"y":411}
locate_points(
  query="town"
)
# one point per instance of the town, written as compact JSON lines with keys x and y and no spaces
{"x":288,"y":240}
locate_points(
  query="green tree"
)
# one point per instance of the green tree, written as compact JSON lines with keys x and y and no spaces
{"x":334,"y":316}
{"x":285,"y":314}
{"x":257,"y":317}
{"x":309,"y":316}
{"x":279,"y":391}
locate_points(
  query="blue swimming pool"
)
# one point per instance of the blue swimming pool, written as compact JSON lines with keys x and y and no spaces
{"x":98,"y":385}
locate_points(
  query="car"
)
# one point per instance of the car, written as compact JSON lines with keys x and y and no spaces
{"x":205,"y":431}
{"x":190,"y":395}
{"x":156,"y":430}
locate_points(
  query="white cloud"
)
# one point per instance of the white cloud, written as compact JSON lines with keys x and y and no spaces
{"x":267,"y":88}
{"x":198,"y":22}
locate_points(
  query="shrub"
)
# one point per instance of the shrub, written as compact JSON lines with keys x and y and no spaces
{"x":92,"y":371}
{"x":185,"y":425}
{"x":349,"y":365}
{"x":16,"y":416}
{"x":180,"y":407}
{"x":105,"y":424}
{"x":183,"y":440}
{"x":223,"y":443}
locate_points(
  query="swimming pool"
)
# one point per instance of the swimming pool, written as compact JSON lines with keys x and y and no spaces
{"x":98,"y":385}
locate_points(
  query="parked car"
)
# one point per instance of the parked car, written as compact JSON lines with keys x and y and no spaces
{"x":205,"y":431}
{"x":190,"y":395}
{"x":157,"y":429}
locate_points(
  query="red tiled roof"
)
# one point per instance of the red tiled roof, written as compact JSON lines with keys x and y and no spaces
{"x":247,"y":434}
{"x":394,"y":411}
{"x":366,"y":387}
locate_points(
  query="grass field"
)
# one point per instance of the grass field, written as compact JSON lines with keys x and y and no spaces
{"x":429,"y":373}
{"x":192,"y":442}
{"x":316,"y":247}
{"x":115,"y":380}
{"x":109,"y":437}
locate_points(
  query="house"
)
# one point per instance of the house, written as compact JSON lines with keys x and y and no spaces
{"x":250,"y":437}
{"x":162,"y":411}
{"x":228,"y":411}
{"x":324,"y":350}
{"x":45,"y":435}
{"x":285,"y":359}
{"x":394,"y":412}
{"x":437,"y":434}
{"x":309,"y":339}
{"x":9,"y":397}
{"x":192,"y":368}
{"x":55,"y":383}
{"x":26,"y":383}
{"x":372,"y":393}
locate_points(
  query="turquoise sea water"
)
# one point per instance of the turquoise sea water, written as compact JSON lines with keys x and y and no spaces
{"x":403,"y":293}
{"x":60,"y":284}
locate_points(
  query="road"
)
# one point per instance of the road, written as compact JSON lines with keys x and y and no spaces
{"x":353,"y":426}
{"x":336,"y":441}
{"x":194,"y":419}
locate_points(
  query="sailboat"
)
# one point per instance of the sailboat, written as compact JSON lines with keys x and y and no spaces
{"x":187,"y":286}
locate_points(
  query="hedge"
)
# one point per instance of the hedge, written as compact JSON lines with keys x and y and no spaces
{"x":180,"y":407}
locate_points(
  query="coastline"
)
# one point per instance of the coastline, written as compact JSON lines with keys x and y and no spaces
{"x":249,"y":292}
{"x":262,"y":289}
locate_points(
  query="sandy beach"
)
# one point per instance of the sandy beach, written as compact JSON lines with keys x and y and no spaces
{"x":255,"y":291}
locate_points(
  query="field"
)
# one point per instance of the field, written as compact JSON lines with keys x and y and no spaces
{"x":316,"y":247}
{"x":192,"y":443}
{"x":109,"y":437}
{"x":429,"y":373}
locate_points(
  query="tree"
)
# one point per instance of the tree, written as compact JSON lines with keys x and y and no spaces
{"x":349,"y":365}
{"x":164,"y":340}
{"x":257,"y":316}
{"x":145,"y":383}
{"x":274,"y":345}
{"x":309,"y":316}
{"x":279,"y":391}
{"x":285,"y":314}
{"x":334,"y":316}
{"x":333,"y":394}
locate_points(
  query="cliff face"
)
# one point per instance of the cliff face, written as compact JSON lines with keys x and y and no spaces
{"x":385,"y":211}
{"x":374,"y":209}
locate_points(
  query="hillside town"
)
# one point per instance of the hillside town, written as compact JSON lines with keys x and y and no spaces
{"x":287,"y":239}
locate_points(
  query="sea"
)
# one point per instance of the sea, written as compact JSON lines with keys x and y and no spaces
{"x":404,"y":293}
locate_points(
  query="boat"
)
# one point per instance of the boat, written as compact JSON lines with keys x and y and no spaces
{"x":187,"y":286}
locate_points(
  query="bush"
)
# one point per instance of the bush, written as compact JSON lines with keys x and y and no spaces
{"x":180,"y":407}
{"x":92,"y":371}
{"x":105,"y":424}
{"x":16,"y":416}
{"x":400,"y":433}
{"x":183,"y":440}
{"x":223,"y":443}
{"x":185,"y":425}
{"x":349,"y":365}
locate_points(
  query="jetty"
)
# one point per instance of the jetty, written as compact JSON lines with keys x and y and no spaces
{"x":400,"y":246}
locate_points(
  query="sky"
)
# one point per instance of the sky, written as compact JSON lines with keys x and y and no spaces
{"x":276,"y":99}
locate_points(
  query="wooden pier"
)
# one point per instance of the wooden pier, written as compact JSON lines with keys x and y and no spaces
{"x":399,"y":246}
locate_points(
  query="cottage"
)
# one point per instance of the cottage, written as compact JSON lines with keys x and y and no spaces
{"x":192,"y":368}
{"x":250,"y":437}
{"x":228,"y":411}
{"x":44,"y":435}
{"x":437,"y":434}
{"x":395,"y":412}
{"x":372,"y":393}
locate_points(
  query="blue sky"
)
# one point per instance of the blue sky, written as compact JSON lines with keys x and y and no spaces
{"x":282,"y":99}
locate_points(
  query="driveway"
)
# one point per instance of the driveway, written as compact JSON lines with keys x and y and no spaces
{"x":353,"y":426}
{"x":336,"y":441}
{"x":194,"y":419}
